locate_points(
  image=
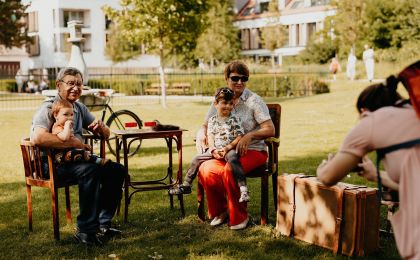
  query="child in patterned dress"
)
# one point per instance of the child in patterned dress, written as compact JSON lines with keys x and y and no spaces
{"x":224,"y":132}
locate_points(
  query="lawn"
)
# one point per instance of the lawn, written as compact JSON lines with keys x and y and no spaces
{"x":311,"y":127}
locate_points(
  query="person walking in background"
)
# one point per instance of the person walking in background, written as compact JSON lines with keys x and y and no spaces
{"x":335,"y":67}
{"x":19,"y":80}
{"x":351,"y":65}
{"x":369,"y":61}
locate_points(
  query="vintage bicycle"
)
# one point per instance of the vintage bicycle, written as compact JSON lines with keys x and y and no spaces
{"x":98,"y":100}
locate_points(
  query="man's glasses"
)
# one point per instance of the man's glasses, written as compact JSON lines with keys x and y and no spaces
{"x":237,"y":78}
{"x":73,"y":84}
{"x":224,"y":91}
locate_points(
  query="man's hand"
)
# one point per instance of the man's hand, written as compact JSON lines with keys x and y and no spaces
{"x":98,"y":127}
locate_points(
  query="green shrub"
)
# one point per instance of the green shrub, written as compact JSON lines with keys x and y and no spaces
{"x":8,"y":85}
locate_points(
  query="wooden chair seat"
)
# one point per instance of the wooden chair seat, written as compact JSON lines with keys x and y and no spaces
{"x":43,"y":174}
{"x":263,"y":172}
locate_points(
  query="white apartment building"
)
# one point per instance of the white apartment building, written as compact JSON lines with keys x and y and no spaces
{"x":302,"y":18}
{"x":47,"y":25}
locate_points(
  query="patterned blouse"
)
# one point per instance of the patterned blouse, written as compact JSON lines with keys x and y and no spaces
{"x":253,"y":111}
{"x":224,"y":130}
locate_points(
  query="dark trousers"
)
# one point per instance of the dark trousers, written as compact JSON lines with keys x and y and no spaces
{"x":100,"y":191}
{"x":231,"y":157}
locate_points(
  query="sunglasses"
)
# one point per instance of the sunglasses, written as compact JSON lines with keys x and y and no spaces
{"x":237,"y":78}
{"x":224,"y":91}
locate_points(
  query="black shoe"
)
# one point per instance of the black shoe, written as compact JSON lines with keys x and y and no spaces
{"x":181,"y":189}
{"x":109,"y":232}
{"x":87,"y":239}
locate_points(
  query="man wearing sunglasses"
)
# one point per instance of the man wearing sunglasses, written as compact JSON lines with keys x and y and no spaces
{"x":100,"y":187}
{"x":219,"y":184}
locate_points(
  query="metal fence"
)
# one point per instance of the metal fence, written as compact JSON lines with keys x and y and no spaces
{"x":135,"y":88}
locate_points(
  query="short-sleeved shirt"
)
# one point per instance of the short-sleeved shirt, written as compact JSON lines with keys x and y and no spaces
{"x":224,"y":130}
{"x":253,"y":111}
{"x":43,"y":117}
{"x":384,"y":127}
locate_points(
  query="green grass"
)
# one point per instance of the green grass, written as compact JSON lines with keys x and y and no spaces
{"x":311,"y":128}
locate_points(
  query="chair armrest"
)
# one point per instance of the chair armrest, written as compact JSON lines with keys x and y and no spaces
{"x":89,"y":138}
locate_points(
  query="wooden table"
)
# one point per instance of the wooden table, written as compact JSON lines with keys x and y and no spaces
{"x":124,"y":138}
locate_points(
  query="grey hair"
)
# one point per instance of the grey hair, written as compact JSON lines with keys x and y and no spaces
{"x":68,"y":71}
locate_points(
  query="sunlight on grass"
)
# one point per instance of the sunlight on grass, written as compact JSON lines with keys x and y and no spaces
{"x":311,"y":127}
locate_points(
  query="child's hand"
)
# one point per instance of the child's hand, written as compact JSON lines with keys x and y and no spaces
{"x":87,"y":147}
{"x":69,"y":124}
{"x":215,"y":154}
{"x":221,"y":152}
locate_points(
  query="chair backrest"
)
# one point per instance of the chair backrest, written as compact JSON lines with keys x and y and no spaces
{"x":275,"y":114}
{"x":31,"y":155}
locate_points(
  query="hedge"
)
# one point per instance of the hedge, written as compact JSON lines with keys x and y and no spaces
{"x":267,"y":85}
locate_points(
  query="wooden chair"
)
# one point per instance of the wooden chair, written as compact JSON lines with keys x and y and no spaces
{"x":271,"y":168}
{"x":37,"y":174}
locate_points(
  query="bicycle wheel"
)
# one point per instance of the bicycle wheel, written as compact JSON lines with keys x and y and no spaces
{"x":118,"y":121}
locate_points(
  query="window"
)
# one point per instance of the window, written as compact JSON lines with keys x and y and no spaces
{"x":245,"y":39}
{"x":311,"y":29}
{"x":79,"y":15}
{"x":33,"y":48}
{"x":65,"y":46}
{"x":264,"y":7}
{"x":32,"y":22}
{"x":254,"y":39}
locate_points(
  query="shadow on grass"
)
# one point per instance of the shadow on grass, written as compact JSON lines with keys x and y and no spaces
{"x":154,"y":229}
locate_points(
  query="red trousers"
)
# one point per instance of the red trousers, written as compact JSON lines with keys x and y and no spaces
{"x":221,"y":188}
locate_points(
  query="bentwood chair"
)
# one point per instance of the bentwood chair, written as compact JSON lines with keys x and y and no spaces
{"x":263,"y":172}
{"x":42,"y":174}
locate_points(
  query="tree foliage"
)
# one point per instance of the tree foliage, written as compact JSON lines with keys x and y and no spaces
{"x":117,"y":49}
{"x":274,"y":35}
{"x":163,"y":26}
{"x":383,"y":24}
{"x":218,"y":43}
{"x":12,"y":32}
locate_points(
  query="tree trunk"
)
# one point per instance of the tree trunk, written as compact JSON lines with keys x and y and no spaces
{"x":162,"y":76}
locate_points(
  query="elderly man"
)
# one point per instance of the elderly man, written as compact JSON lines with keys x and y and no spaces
{"x":100,"y":187}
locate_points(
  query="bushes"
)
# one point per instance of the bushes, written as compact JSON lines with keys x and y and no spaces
{"x":264,"y":84}
{"x":8,"y":85}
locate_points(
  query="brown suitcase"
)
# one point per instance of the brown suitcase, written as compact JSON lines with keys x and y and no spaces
{"x":343,"y":217}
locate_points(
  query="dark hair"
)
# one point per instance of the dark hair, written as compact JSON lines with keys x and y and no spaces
{"x":380,"y":95}
{"x":224,"y":94}
{"x":236,"y":66}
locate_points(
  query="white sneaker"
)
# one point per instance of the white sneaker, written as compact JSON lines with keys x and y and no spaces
{"x":240,"y":225}
{"x":244,"y":197}
{"x":219,"y":219}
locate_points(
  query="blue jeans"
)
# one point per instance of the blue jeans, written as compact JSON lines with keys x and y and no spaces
{"x":100,"y":191}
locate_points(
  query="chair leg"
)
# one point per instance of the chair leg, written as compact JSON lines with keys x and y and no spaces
{"x":54,"y":207}
{"x":200,"y":200}
{"x":68,"y":205}
{"x":181,"y":204}
{"x":274,"y":182}
{"x":29,"y":205}
{"x":264,"y":199}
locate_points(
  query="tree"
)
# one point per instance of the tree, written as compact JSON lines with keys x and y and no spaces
{"x":218,"y":41}
{"x":162,"y":26}
{"x":12,"y":26}
{"x":117,"y":49}
{"x":348,"y":25}
{"x":274,"y":35}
